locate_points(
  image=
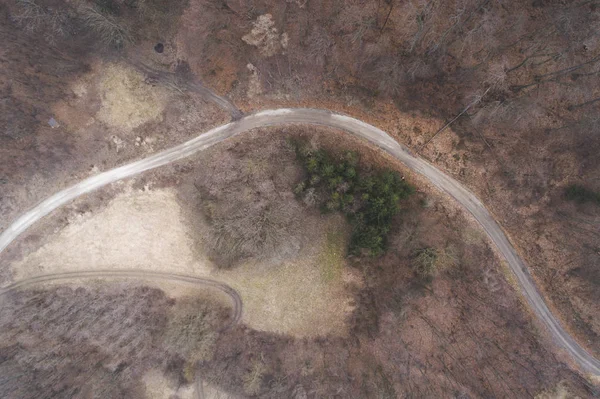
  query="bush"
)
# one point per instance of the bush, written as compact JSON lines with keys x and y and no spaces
{"x":253,"y":379}
{"x":581,"y":194}
{"x":425,"y":263}
{"x":369,"y":200}
{"x":192,"y":329}
{"x":257,"y":230}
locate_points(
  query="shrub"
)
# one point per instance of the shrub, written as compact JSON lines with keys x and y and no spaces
{"x":581,"y":194}
{"x":425,"y":263}
{"x":258,"y":230}
{"x":254,"y":377}
{"x":247,"y":209}
{"x":192,"y":329}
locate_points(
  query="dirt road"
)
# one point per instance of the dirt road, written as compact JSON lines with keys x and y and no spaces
{"x":445,"y":183}
{"x":236,"y":300}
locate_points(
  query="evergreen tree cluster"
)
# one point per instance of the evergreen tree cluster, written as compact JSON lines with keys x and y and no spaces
{"x":581,"y":194}
{"x":368,"y":199}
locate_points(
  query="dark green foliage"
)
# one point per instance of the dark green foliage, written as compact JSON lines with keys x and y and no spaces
{"x":369,"y":200}
{"x":581,"y":194}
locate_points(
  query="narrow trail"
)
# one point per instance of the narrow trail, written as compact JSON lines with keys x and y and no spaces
{"x":178,"y":82}
{"x":587,"y":362}
{"x":236,"y":300}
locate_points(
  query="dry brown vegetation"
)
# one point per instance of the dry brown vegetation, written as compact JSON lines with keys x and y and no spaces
{"x":97,"y":341}
{"x":435,"y":316}
{"x":522,"y":75}
{"x":458,"y":331}
{"x":461,"y":332}
{"x":464,"y":334}
{"x":249,"y":203}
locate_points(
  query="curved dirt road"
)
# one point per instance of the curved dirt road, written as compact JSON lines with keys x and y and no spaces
{"x":236,"y":300}
{"x":445,"y":183}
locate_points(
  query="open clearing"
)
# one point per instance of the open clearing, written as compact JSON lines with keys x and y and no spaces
{"x":127,"y":102}
{"x":145,"y":230}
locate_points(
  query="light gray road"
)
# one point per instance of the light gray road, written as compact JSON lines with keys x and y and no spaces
{"x":445,"y":183}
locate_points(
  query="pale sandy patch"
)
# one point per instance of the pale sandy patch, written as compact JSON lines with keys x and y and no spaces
{"x":265,"y":37}
{"x":213,"y":392}
{"x":560,"y":391}
{"x":136,"y":230}
{"x":127,"y":100}
{"x":157,"y":386}
{"x":254,"y":86}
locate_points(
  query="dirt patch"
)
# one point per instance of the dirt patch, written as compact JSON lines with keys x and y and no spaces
{"x":157,"y":386}
{"x":265,"y":37}
{"x":306,"y":296}
{"x":254,"y":85}
{"x":210,"y":391}
{"x":137,"y":230}
{"x":127,"y":100}
{"x":47,"y":159}
{"x":561,"y":391}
